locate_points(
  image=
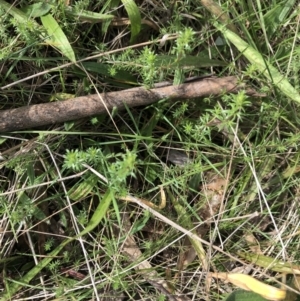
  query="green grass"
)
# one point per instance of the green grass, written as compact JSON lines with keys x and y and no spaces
{"x":232,"y":160}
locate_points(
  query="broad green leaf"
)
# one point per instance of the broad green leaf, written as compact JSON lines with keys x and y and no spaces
{"x":10,"y":259}
{"x":271,"y":263}
{"x":276,"y":16}
{"x":15,"y":12}
{"x":37,"y":9}
{"x":99,"y":213}
{"x":114,"y":3}
{"x":15,"y":286}
{"x":134,"y":17}
{"x":2,"y":139}
{"x":82,"y":189}
{"x":241,"y":295}
{"x":169,"y":61}
{"x":139,"y":224}
{"x":255,"y":58}
{"x":104,"y":69}
{"x":57,"y":38}
{"x":69,"y":125}
{"x":88,"y":16}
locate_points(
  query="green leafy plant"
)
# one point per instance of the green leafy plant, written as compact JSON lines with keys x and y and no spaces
{"x":63,"y":188}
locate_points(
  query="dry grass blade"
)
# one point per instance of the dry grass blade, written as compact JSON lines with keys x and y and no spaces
{"x":162,"y":204}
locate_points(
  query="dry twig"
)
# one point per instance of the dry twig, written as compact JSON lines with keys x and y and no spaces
{"x":90,"y":105}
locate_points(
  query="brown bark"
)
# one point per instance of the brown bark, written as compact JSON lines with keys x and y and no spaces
{"x":86,"y":106}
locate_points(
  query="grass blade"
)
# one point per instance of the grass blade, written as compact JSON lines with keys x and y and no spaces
{"x":88,"y":16}
{"x":264,"y":67}
{"x":94,"y":221}
{"x":15,"y":12}
{"x":277,"y":15}
{"x":57,"y":37}
{"x":15,"y":286}
{"x":99,"y":213}
{"x":82,"y":189}
{"x":134,"y":17}
{"x":37,"y":9}
{"x":271,"y":263}
{"x":170,"y":61}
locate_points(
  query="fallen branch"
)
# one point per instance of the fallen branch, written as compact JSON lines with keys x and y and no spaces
{"x":87,"y":106}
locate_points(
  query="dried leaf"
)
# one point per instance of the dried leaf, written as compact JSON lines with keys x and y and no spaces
{"x":249,"y":283}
